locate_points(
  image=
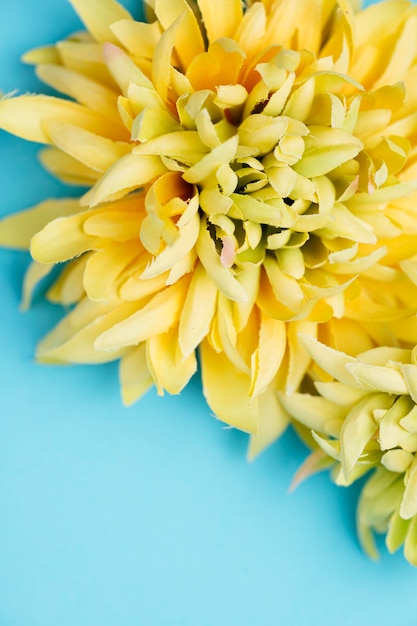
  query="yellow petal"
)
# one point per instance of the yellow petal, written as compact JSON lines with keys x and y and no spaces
{"x":266,"y":362}
{"x":135,"y":378}
{"x":99,"y":15}
{"x":286,"y":289}
{"x":72,"y":340}
{"x":97,"y":153}
{"x":329,"y":360}
{"x":24,"y":116}
{"x":189,"y":41}
{"x":17,"y":230}
{"x":68,"y":288}
{"x":198,"y":311}
{"x":228,"y":335}
{"x":220,"y":20}
{"x":156,"y":317}
{"x":299,"y":358}
{"x":227,"y":391}
{"x":62,"y":239}
{"x":104,"y":269}
{"x":123,"y":69}
{"x":162,"y":59}
{"x":66,"y":168}
{"x":34,"y":274}
{"x":139,"y":38}
{"x":174,"y":253}
{"x":170,"y":370}
{"x":128,"y":173}
{"x":273,"y":420}
{"x":83,"y":89}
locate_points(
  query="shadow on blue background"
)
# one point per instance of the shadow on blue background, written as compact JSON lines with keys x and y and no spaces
{"x":151,"y":515}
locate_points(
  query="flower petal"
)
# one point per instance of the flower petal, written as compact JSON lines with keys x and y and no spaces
{"x":99,"y":15}
{"x":227,"y":391}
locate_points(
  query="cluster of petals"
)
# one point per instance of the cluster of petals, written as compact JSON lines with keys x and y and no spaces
{"x":252,"y":174}
{"x":363,"y":417}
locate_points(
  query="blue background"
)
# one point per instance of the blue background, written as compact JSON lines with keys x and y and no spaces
{"x":151,"y":515}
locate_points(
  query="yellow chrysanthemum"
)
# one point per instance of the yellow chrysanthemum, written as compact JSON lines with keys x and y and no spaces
{"x":253,"y":175}
{"x":365,"y":418}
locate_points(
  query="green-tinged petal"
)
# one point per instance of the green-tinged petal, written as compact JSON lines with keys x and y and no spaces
{"x":313,"y":411}
{"x":153,"y":122}
{"x":325,"y":150}
{"x":378,"y":501}
{"x":391,"y":431}
{"x":17,"y":230}
{"x":408,"y":508}
{"x":99,"y":15}
{"x":198,"y":310}
{"x":397,"y":532}
{"x":330,"y":360}
{"x":378,"y":378}
{"x":156,"y":317}
{"x":135,"y":378}
{"x":227,"y":391}
{"x":340,"y":394}
{"x":220,"y":275}
{"x":212,"y":161}
{"x":410,"y":544}
{"x":359,"y":427}
{"x":409,"y":373}
{"x":397,"y":461}
{"x":330,"y":446}
{"x":182,"y":145}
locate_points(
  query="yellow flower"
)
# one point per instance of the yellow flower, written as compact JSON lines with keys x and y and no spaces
{"x":252,"y":174}
{"x":365,"y":418}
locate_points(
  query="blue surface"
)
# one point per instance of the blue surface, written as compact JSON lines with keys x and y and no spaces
{"x":151,"y":516}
